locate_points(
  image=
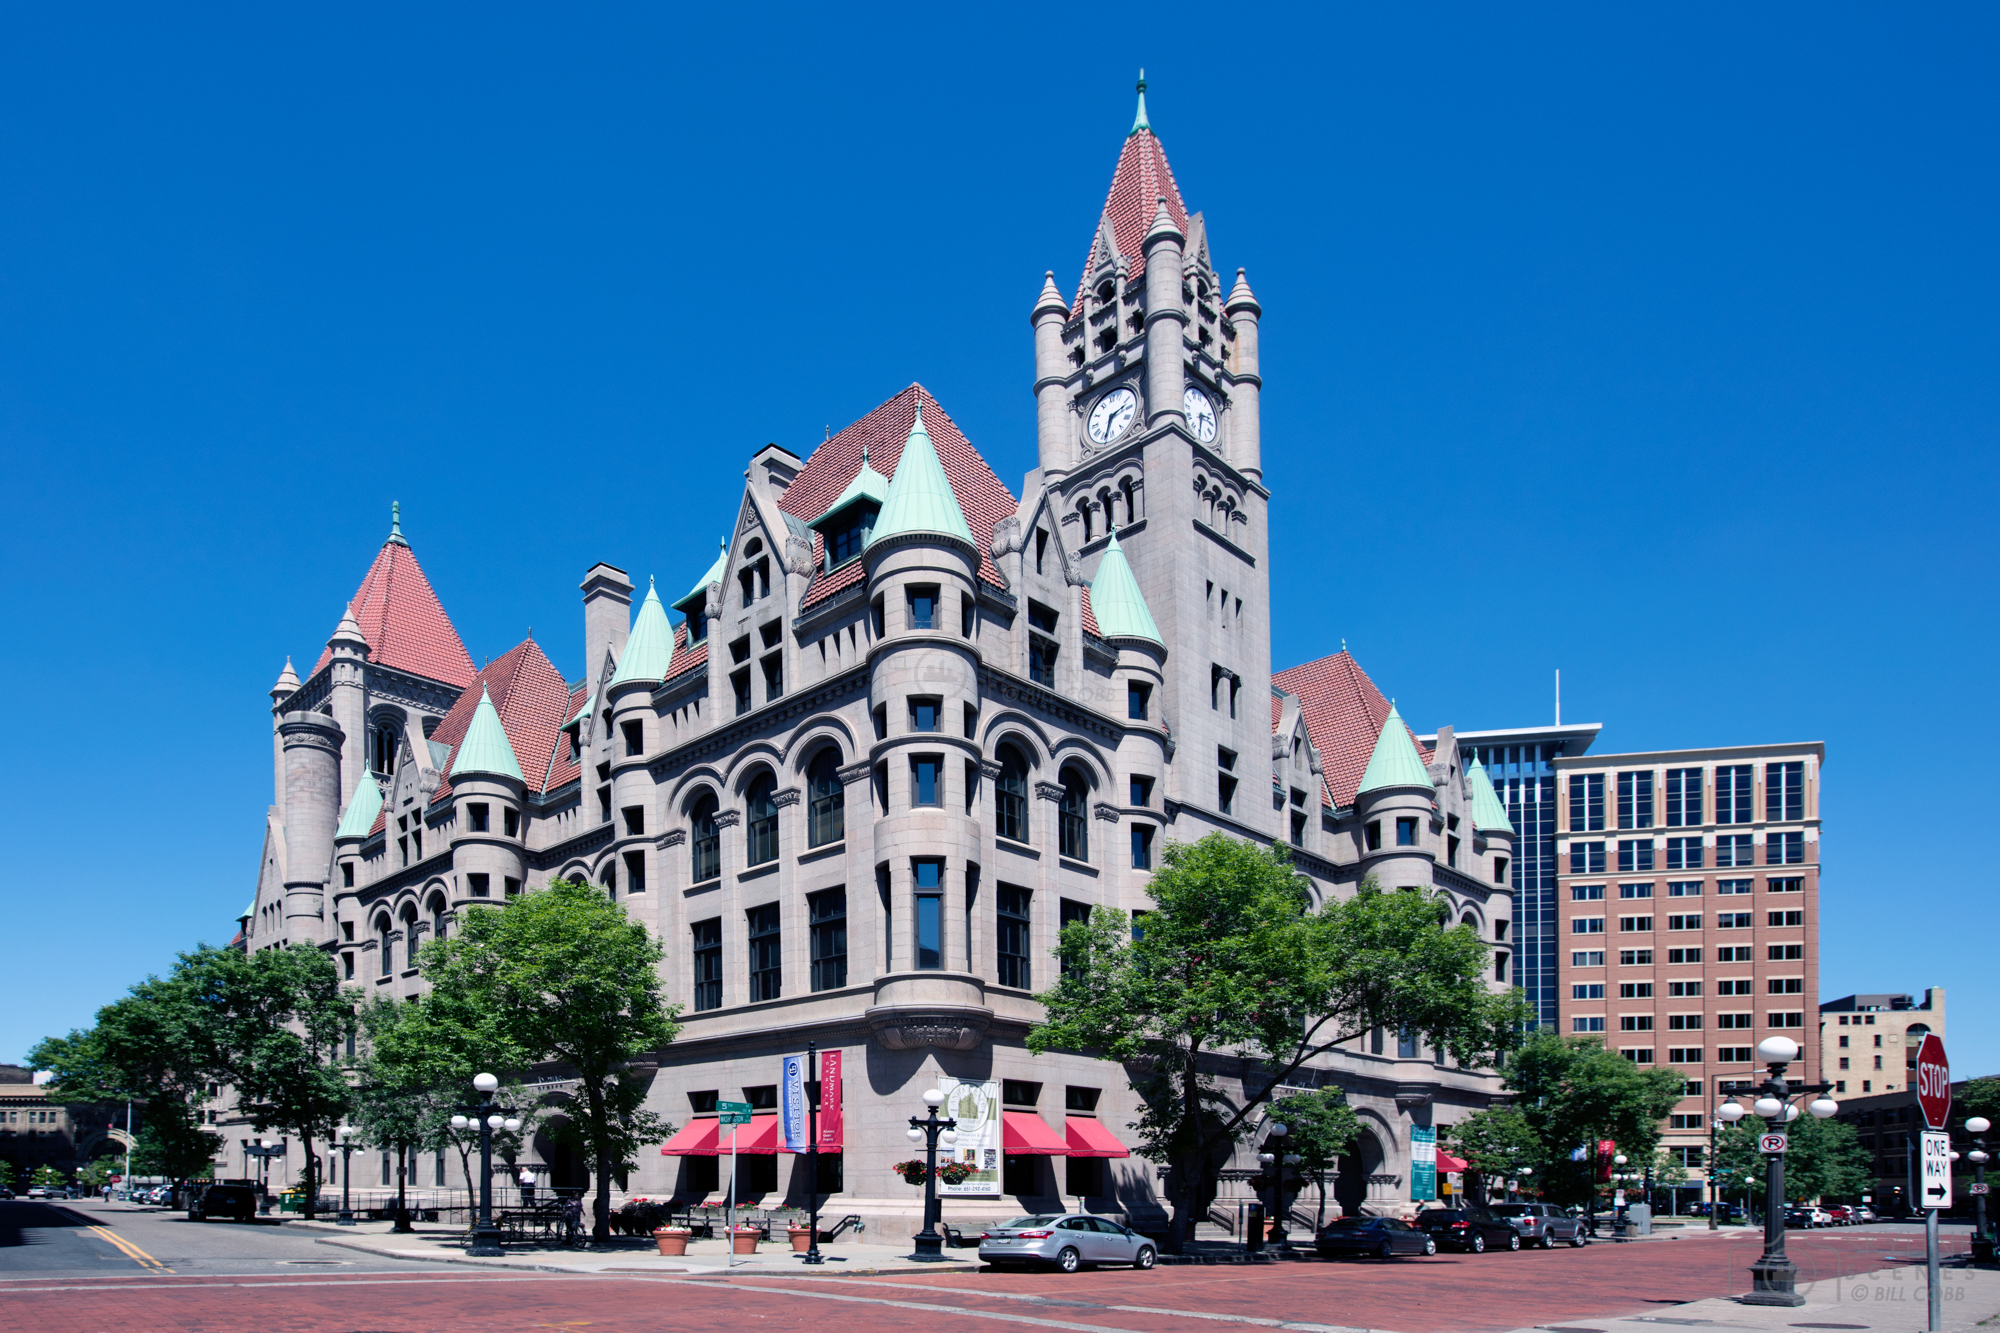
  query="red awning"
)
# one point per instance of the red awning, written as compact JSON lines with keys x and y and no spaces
{"x":695,"y":1139}
{"x":1025,"y":1133}
{"x":1446,"y":1162}
{"x":1089,"y":1138}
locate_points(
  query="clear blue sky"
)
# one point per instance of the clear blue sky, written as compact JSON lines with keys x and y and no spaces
{"x":1656,"y":345}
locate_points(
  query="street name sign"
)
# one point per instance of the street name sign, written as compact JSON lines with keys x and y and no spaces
{"x":1934,"y":1191}
{"x":733,"y":1113}
{"x":1933,"y":1081}
{"x":1772,"y":1143}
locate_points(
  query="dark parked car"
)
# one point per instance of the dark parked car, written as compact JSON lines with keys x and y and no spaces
{"x":237,"y":1201}
{"x":1383,"y":1237}
{"x":1541,"y":1224}
{"x":1474,"y":1232}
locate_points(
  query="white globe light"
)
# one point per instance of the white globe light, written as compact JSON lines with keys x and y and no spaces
{"x":1265,"y":1158}
{"x":948,"y":1137}
{"x":1777,"y":1050}
{"x":1280,"y":1129}
{"x":513,"y":1125}
{"x":1977,"y":1156}
{"x":1824,"y":1107}
{"x":1954,"y":1157}
{"x":459,"y":1122}
{"x":1979,"y":1124}
{"x":1729,"y":1113}
{"x":485,"y":1082}
{"x":495,"y":1121}
{"x":1769,"y":1107}
{"x":934,"y":1097}
{"x":916,"y":1135}
{"x":1791,"y":1114}
{"x":1527,"y":1170}
{"x":1621,"y":1159}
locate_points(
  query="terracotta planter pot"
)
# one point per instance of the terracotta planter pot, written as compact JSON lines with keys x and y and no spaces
{"x":745,"y":1240}
{"x":672,"y":1240}
{"x":801,"y":1238}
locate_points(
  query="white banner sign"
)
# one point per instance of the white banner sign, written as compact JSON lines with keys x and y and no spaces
{"x":976,"y":1108}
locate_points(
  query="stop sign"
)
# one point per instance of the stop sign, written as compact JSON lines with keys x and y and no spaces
{"x":1933,"y":1081}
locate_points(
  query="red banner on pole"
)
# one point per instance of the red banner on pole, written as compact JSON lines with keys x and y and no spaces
{"x":829,"y":1100}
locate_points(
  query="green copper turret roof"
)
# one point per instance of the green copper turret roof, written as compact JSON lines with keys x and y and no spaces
{"x":700,"y":588}
{"x":920,"y":498}
{"x":361,"y":810}
{"x":486,"y":748}
{"x":1488,"y":815}
{"x":1116,"y":601}
{"x":650,"y":647}
{"x":868,"y":486}
{"x":1395,"y":762}
{"x":1140,"y":122}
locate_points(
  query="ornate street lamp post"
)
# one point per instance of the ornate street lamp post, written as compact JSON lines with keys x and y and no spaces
{"x":1774,"y":1277}
{"x":1726,"y":1114}
{"x":930,"y":1132}
{"x":346,"y":1136}
{"x":490,"y":1116}
{"x":1982,"y":1243}
{"x":1275,"y":1157}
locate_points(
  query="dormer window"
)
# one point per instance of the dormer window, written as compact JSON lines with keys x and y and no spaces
{"x":845,"y":540}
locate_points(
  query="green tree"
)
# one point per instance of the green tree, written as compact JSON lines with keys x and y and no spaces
{"x":1574,"y":1094}
{"x":1320,"y":1127}
{"x":97,"y":1174}
{"x":172,"y":1143}
{"x":9,"y":1173}
{"x":1822,"y":1158}
{"x":1497,"y":1144}
{"x":1234,"y":960}
{"x":49,"y":1177}
{"x":565,"y":976}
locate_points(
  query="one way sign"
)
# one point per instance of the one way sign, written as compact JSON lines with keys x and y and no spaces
{"x":1935,"y":1188}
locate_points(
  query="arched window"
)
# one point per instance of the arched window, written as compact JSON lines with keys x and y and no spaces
{"x":382,"y":741}
{"x":386,"y":944}
{"x":826,"y":818}
{"x":1470,"y":922}
{"x":1075,"y":816}
{"x":707,"y":860}
{"x":1010,"y":796}
{"x":437,"y":916}
{"x":409,"y":934}
{"x":1084,"y":509}
{"x":761,"y":806}
{"x":1131,"y":502}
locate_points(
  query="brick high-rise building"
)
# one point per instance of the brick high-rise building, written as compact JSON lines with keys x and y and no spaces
{"x":1688,"y":887}
{"x":1868,"y":1043}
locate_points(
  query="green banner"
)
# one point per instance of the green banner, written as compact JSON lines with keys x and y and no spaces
{"x":1423,"y":1164}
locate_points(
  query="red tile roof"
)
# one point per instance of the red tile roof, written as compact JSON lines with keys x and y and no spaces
{"x":1089,"y":616}
{"x":1142,"y":179}
{"x":684,"y":659}
{"x":562,"y":766}
{"x":404,"y":623}
{"x":532,"y":699}
{"x":981,"y":496}
{"x":1344,"y":713}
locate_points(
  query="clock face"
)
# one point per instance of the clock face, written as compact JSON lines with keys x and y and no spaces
{"x":1113,"y":413}
{"x":1200,"y":414}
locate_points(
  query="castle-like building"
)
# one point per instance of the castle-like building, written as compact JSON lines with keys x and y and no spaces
{"x":859,"y":773}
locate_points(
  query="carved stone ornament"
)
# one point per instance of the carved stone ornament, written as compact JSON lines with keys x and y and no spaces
{"x":675,"y":838}
{"x":853,"y":773}
{"x":989,"y":769}
{"x":785,"y":796}
{"x":1049,"y":791}
{"x":1105,"y":811}
{"x":798,"y":557}
{"x":1006,"y":537}
{"x":728,"y":818}
{"x":949,"y":1029}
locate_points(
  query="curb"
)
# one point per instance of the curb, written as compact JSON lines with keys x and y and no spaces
{"x":693,"y":1270}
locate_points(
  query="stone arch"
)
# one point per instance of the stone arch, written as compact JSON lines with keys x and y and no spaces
{"x":759,"y":755}
{"x":803,"y":745}
{"x":681,"y":794}
{"x":1030,"y":734}
{"x":1350,"y":1188}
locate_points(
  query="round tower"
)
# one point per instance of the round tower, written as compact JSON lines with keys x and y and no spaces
{"x":1246,"y":384}
{"x":1395,"y":806}
{"x":1053,"y":429}
{"x":347,"y":696}
{"x":487,"y":793}
{"x":1166,"y":320}
{"x":313,"y":743}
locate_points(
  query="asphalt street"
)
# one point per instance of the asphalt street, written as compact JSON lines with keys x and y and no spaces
{"x":86,"y":1239}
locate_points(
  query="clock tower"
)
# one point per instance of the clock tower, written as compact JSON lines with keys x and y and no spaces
{"x":1146,"y":389}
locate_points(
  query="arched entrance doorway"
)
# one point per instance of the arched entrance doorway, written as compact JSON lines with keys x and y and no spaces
{"x":1351,"y":1189}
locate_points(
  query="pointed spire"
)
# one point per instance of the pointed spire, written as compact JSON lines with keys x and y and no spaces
{"x":649,"y":649}
{"x":1051,"y":300}
{"x":288,"y":681}
{"x":1241,"y":297}
{"x":1395,"y":762}
{"x":868,"y":487}
{"x":362,"y":808}
{"x":486,"y":748}
{"x":1139,"y":122}
{"x":692,"y":601}
{"x":348,"y":631}
{"x":1163,"y":227}
{"x":1116,"y":601}
{"x":396,"y":523}
{"x":920,"y":497}
{"x":1488,"y":815}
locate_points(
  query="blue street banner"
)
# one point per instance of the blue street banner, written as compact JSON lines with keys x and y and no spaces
{"x":1423,"y":1164}
{"x":792,"y":1104}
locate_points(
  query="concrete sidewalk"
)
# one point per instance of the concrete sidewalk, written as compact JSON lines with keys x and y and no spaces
{"x":1887,"y":1299}
{"x":626,"y":1255}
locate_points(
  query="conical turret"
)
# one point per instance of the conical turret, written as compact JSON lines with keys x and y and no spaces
{"x":920,"y":499}
{"x":649,"y":649}
{"x":486,"y":749}
{"x":1488,"y":815}
{"x":1395,"y":762}
{"x":1116,"y":601}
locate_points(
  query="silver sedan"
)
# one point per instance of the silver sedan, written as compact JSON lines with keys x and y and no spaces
{"x":1067,"y":1240}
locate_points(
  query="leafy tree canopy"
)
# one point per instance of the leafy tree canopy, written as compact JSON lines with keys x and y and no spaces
{"x":1573,"y":1094}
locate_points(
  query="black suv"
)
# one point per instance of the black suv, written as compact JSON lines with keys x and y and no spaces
{"x":235,"y":1201}
{"x":1471,"y":1231}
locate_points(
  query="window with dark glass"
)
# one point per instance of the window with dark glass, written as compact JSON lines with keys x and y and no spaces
{"x":1299,"y":835}
{"x":1785,"y":791}
{"x":1586,"y":858}
{"x":924,"y":712}
{"x":1785,"y":849}
{"x":1041,"y":649}
{"x":760,"y":841}
{"x":1732,"y":850}
{"x":635,"y":872}
{"x":826,"y":818}
{"x":926,"y":770}
{"x":766,"y":957}
{"x":1635,"y":799}
{"x":1635,"y":854}
{"x":386,"y":945}
{"x":1142,"y":846}
{"x":878,"y":617}
{"x":1142,"y":790}
{"x":923,"y":607}
{"x":739,"y":687}
{"x":1225,"y":793}
{"x":1683,"y":797}
{"x":706,"y":861}
{"x":1137,"y":697}
{"x":1586,"y":802}
{"x":635,"y":819}
{"x":476,"y":818}
{"x":774,"y":676}
{"x":1069,"y":912}
{"x":929,"y":875}
{"x":1732,"y":794}
{"x":1074,"y":817}
{"x":827,"y":916}
{"x":708,"y":963}
{"x":635,"y":737}
{"x":1684,"y":853}
{"x":1374,"y":835}
{"x":1012,"y":964}
{"x":1406,"y":832}
{"x":1010,"y":796}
